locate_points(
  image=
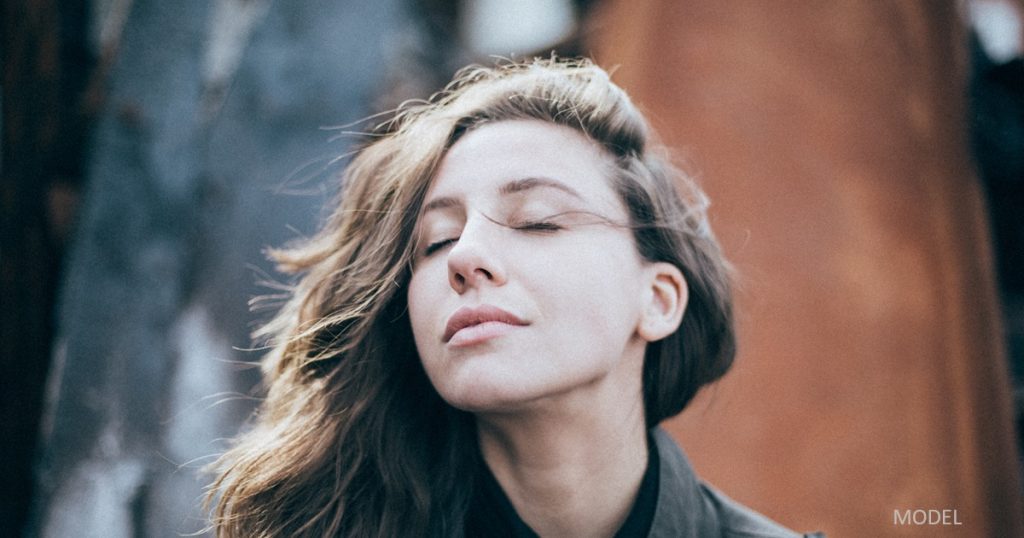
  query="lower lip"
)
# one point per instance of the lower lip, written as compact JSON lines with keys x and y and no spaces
{"x":477,"y":334}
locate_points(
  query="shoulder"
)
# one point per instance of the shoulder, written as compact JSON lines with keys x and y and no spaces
{"x":739,"y":521}
{"x":688,"y":506}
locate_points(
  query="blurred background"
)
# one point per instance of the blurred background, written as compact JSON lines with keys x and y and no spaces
{"x":866,"y":166}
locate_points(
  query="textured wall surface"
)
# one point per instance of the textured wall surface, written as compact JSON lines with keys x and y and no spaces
{"x":831,"y":139}
{"x":209,"y":148}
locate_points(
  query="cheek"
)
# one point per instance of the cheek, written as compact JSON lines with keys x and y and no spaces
{"x":421,"y":294}
{"x":595,"y":290}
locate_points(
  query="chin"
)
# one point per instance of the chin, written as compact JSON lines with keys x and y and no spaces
{"x":482,"y":400}
{"x":489,"y":395}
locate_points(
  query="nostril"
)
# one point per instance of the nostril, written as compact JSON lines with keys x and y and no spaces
{"x":471,"y":265}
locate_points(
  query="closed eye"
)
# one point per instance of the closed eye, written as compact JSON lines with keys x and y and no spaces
{"x":529,"y":226}
{"x":537,"y":226}
{"x":438,"y":245}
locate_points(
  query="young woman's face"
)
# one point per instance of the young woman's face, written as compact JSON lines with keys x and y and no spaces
{"x":522,"y":288}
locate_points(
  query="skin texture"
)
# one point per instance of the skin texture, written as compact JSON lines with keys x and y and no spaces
{"x":522,"y":216}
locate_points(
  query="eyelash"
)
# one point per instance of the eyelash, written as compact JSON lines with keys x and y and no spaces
{"x":537,"y":226}
{"x":530,"y":226}
{"x":436,"y":246}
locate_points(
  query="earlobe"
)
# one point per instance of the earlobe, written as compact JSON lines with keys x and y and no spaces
{"x":666,"y":301}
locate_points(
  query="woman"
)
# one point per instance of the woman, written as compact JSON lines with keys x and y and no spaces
{"x":509,"y":298}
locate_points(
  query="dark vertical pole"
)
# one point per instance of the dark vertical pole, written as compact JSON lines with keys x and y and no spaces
{"x":31,"y":80}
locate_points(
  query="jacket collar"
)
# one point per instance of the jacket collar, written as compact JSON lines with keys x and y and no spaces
{"x":681,"y":509}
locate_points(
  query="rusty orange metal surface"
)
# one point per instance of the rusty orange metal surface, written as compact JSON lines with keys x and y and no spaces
{"x":831,"y":139}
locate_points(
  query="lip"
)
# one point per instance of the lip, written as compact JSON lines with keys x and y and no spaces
{"x":493,"y":319}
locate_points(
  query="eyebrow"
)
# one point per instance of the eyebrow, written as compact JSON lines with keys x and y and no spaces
{"x":512,"y":187}
{"x":525,"y":184}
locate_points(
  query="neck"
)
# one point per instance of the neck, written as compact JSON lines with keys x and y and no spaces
{"x":568,"y":472}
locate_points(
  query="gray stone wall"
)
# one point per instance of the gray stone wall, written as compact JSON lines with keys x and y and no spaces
{"x":209,"y":148}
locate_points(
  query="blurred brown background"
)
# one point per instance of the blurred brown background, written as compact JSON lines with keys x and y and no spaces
{"x":866,"y":166}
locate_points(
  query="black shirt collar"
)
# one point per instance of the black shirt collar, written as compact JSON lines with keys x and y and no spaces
{"x":492,"y":514}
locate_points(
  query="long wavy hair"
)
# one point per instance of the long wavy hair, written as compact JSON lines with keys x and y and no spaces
{"x":351,"y":438}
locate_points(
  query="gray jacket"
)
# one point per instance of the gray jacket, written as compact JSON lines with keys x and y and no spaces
{"x":688,"y":507}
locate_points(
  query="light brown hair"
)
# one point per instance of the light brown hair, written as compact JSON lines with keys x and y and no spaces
{"x":352,"y":439}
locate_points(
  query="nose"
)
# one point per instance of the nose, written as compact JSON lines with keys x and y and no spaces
{"x":474,"y":260}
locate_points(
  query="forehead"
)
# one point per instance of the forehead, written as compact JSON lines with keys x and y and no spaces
{"x":490,"y":156}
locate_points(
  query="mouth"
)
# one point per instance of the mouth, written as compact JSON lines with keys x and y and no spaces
{"x":468,"y":325}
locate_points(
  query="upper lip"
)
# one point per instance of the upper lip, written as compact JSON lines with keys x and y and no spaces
{"x":468,"y":316}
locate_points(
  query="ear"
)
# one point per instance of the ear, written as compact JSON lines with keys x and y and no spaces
{"x":665,"y":302}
